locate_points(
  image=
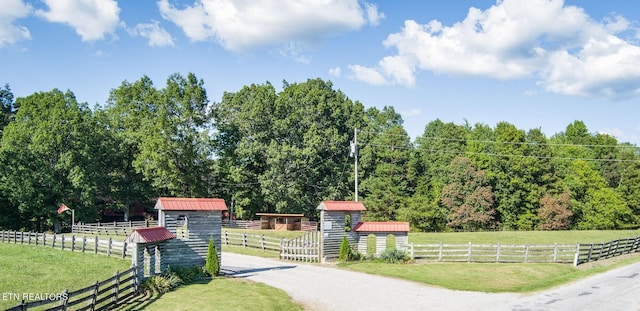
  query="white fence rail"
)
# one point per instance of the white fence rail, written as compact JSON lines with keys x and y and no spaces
{"x":84,"y":244}
{"x":503,"y":253}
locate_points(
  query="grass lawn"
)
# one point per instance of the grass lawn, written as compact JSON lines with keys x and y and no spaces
{"x":250,"y":251}
{"x":218,"y":294}
{"x":39,"y":269}
{"x":490,"y":277}
{"x":267,"y":233}
{"x":522,"y":237}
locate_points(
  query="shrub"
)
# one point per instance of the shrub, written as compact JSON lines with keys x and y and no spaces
{"x":161,"y":283}
{"x":393,"y":255}
{"x":212,"y":265}
{"x":188,"y":274}
{"x":345,"y":250}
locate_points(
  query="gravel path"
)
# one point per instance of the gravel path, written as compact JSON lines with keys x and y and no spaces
{"x":324,"y":288}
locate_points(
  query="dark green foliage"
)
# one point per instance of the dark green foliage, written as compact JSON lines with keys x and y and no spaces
{"x":161,"y":283}
{"x":212,"y":265}
{"x":188,"y":275}
{"x":394,"y":255}
{"x":345,"y":250}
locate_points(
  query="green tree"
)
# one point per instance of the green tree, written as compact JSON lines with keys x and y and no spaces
{"x":345,"y":250}
{"x":212,"y":264}
{"x":51,"y":156}
{"x":7,"y":107}
{"x":468,"y":196}
{"x":384,"y":160}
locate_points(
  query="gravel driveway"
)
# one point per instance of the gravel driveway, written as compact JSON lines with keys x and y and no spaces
{"x":324,"y":288}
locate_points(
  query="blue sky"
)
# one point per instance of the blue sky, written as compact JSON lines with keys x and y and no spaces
{"x":535,"y":63}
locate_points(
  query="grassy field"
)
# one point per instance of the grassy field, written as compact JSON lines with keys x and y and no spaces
{"x":522,"y":237}
{"x":218,"y":294}
{"x":38,"y":269}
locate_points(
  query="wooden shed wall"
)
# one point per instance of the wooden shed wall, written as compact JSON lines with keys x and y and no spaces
{"x":191,"y":250}
{"x":332,"y":238}
{"x":402,"y":241}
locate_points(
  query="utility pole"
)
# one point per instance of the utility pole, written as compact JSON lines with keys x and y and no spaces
{"x":354,"y":153}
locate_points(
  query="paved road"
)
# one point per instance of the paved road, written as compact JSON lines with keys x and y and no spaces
{"x":321,"y":288}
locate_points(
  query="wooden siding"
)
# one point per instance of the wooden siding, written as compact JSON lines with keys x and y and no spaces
{"x":332,"y":237}
{"x":402,"y":241}
{"x":191,"y":248}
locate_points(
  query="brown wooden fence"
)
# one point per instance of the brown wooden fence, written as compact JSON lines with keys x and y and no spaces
{"x":593,"y":252}
{"x":102,"y":295}
{"x":118,"y":228}
{"x":303,"y":248}
{"x":504,"y":253}
{"x":84,"y":244}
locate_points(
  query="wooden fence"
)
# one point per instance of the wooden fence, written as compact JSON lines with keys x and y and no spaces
{"x":303,"y":248}
{"x":593,"y":252}
{"x":257,"y":225}
{"x":122,"y":228}
{"x":503,"y":253}
{"x":72,"y":243}
{"x":102,"y":295}
{"x":251,"y":240}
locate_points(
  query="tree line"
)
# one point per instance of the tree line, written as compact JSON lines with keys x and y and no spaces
{"x":265,"y":150}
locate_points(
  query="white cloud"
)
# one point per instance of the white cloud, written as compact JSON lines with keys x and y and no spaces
{"x":293,"y":51}
{"x":243,"y":25}
{"x":366,"y":74}
{"x":91,"y":19}
{"x":560,"y":45}
{"x":157,"y":35}
{"x":373,"y":16}
{"x":10,"y":10}
{"x":411,"y":113}
{"x":335,"y":71}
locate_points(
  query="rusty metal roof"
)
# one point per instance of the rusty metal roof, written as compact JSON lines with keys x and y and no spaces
{"x":389,"y":226}
{"x":346,"y":206}
{"x":150,"y":235}
{"x":190,"y":204}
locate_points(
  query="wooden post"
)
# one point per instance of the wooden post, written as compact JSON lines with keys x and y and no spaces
{"x":262,"y":242}
{"x":95,"y":246}
{"x":95,"y":295}
{"x":244,"y":239}
{"x":440,"y":251}
{"x":124,"y":249}
{"x":555,"y":252}
{"x":62,"y":243}
{"x":44,"y":239}
{"x":73,"y":242}
{"x":109,"y":248}
{"x":53,"y":243}
{"x":498,"y":252}
{"x":469,"y":258}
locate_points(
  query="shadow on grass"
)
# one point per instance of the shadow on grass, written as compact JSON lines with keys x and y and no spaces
{"x":142,"y":300}
{"x":243,"y":272}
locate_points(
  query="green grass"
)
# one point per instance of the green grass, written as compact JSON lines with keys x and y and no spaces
{"x":39,"y":269}
{"x":250,"y":251}
{"x":488,"y":277}
{"x":218,"y":294}
{"x":522,"y":237}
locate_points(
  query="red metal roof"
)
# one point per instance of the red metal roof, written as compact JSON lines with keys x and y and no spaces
{"x":346,"y":206}
{"x":390,"y":226}
{"x":191,"y":204}
{"x":150,"y":235}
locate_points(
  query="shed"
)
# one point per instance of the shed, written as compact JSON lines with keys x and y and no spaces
{"x":146,"y":252}
{"x":381,"y":231}
{"x":337,"y":219}
{"x":273,"y":221}
{"x":193,"y":221}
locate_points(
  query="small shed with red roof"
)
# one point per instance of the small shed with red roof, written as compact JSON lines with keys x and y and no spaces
{"x":146,"y":252}
{"x":382,"y":231}
{"x":344,"y":218}
{"x":193,"y":221}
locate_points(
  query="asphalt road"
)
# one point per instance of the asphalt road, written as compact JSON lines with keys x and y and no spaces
{"x":326,"y":288}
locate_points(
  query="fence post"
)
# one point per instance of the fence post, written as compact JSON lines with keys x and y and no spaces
{"x":65,"y":301}
{"x":469,"y":258}
{"x":62,"y":243}
{"x":440,"y":251}
{"x":73,"y":242}
{"x":124,"y":250}
{"x":95,"y":246}
{"x":44,"y":239}
{"x":555,"y":252}
{"x":244,"y":239}
{"x":95,"y":295}
{"x":226,"y":237}
{"x":116,"y":288}
{"x":109,"y":249}
{"x":526,"y":253}
{"x":577,"y":256}
{"x":84,"y":242}
{"x":263,"y":242}
{"x":53,"y":243}
{"x":21,"y":237}
{"x":498,"y":252}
